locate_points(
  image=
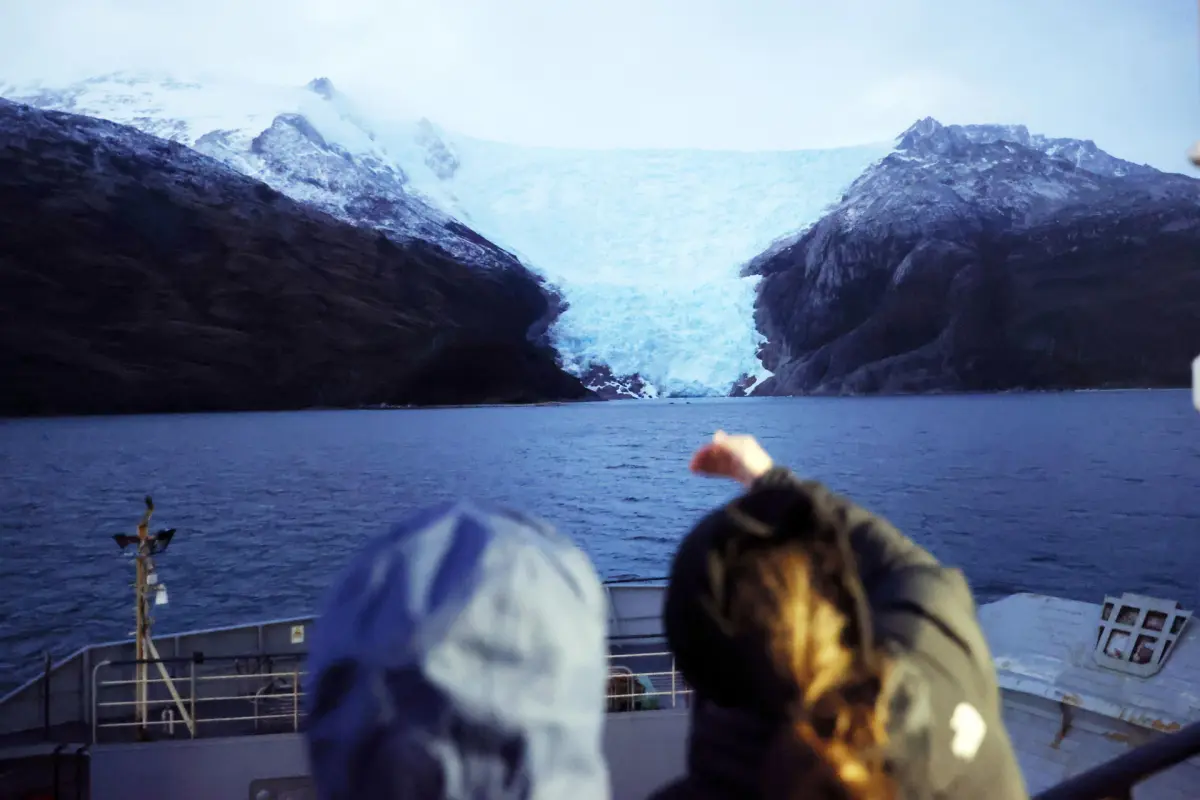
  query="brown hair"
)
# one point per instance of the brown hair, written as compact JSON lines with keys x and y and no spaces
{"x":831,"y":685}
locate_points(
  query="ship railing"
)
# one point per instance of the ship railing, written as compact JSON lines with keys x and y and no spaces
{"x":267,"y":695}
{"x":198,"y":696}
{"x":264,"y":693}
{"x":1116,"y":779}
{"x":646,"y":681}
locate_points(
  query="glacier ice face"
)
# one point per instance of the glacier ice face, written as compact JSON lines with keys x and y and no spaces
{"x":646,"y":246}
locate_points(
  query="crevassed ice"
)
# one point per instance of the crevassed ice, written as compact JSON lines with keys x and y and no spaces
{"x":647,"y":245}
{"x":688,"y":341}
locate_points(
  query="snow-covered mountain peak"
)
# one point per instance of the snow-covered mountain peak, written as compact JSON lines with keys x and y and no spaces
{"x":645,"y":245}
{"x":322,"y":87}
{"x":308,"y":142}
{"x":956,"y":177}
{"x":954,"y":171}
{"x":928,"y":137}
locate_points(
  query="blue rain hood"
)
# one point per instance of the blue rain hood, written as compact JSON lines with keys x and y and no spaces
{"x":461,"y":656}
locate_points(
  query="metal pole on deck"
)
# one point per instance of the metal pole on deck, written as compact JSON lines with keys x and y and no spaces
{"x":145,"y":580}
{"x":143,"y":535}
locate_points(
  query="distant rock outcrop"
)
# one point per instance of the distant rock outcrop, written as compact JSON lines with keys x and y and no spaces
{"x":983,"y":258}
{"x":137,"y":275}
{"x":600,"y":379}
{"x":743,"y":386}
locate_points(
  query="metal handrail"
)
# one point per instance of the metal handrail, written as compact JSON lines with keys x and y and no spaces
{"x":1113,"y":779}
{"x":619,"y":581}
{"x":678,"y":690}
{"x":201,"y":658}
{"x":193,"y":700}
{"x":100,"y":646}
{"x":1116,"y":778}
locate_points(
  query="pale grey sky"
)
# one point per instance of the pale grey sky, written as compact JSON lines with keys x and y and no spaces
{"x":742,"y":74}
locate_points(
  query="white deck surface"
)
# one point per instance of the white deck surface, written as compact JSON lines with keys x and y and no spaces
{"x":1042,"y":646}
{"x":1065,"y":714}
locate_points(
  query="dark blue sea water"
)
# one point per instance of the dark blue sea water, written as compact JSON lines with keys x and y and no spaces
{"x":1069,"y":494}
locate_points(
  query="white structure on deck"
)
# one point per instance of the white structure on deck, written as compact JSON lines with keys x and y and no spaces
{"x":1082,"y":683}
{"x":1072,"y":695}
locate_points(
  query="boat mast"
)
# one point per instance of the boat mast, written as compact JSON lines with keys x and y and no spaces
{"x":142,"y":628}
{"x":146,"y":582}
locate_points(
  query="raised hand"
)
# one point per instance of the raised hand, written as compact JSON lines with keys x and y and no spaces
{"x":739,"y":457}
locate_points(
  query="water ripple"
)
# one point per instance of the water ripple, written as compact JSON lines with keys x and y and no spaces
{"x":1072,"y":494}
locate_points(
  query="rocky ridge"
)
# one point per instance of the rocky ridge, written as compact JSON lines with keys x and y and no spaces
{"x":138,"y":275}
{"x":984,"y":258}
{"x":312,"y":145}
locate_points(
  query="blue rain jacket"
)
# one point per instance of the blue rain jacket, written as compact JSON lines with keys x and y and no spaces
{"x":462,"y":655}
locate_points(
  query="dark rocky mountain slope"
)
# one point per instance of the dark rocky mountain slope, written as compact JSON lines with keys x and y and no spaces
{"x":982,"y":258}
{"x":137,"y":275}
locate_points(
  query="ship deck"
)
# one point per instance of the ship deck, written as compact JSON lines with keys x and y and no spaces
{"x":1065,"y":712}
{"x":249,"y":679}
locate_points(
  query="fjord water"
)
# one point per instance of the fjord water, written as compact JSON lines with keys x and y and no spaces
{"x":1070,"y":494}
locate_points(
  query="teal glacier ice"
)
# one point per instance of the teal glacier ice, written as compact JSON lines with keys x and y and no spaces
{"x":646,"y":246}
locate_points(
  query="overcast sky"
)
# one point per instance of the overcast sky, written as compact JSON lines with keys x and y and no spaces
{"x":742,"y":74}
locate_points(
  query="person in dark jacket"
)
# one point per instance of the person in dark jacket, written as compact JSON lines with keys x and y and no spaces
{"x":462,"y":656}
{"x":830,"y":655}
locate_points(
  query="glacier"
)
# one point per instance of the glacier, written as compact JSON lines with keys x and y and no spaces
{"x":647,"y":247}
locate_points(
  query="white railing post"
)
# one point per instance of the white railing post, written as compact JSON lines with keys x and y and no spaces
{"x":95,"y":700}
{"x":296,"y":698}
{"x":192,"y":697}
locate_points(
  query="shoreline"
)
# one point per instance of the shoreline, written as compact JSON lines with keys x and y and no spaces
{"x":593,"y":400}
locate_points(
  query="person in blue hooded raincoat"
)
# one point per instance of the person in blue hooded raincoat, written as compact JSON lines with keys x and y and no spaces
{"x":462,"y":655}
